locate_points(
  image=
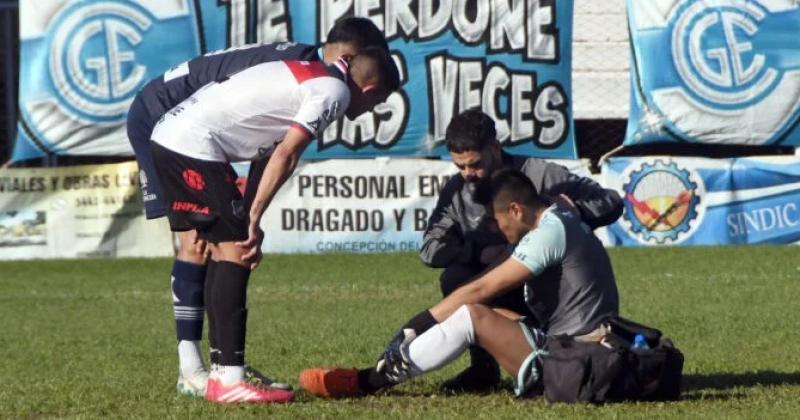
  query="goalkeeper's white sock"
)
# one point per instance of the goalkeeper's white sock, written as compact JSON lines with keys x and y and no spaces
{"x":190,"y":357}
{"x":443,"y":343}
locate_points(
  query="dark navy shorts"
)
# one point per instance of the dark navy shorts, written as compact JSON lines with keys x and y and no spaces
{"x":201,"y":195}
{"x":140,"y":127}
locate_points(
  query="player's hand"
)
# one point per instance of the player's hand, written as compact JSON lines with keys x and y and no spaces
{"x":255,"y":236}
{"x":492,"y":253}
{"x":256,"y":260}
{"x":395,"y":363}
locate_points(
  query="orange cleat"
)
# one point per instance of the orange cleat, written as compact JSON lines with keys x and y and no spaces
{"x":330,"y":382}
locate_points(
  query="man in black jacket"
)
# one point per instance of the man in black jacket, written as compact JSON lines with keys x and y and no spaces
{"x":464,"y":242}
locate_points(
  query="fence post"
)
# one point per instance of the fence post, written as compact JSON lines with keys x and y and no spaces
{"x":9,"y":80}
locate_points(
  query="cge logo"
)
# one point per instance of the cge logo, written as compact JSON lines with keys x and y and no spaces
{"x":732,"y":74}
{"x":714,"y":54}
{"x":92,"y":60}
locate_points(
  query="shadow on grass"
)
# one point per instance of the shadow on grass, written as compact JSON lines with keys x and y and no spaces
{"x":722,"y":381}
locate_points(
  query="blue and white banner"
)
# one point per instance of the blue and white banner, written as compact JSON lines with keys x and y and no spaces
{"x":715,"y":72}
{"x":694,"y":201}
{"x":365,"y":205}
{"x":82,"y":61}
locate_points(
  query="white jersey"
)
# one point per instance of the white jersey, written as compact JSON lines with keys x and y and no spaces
{"x":247,"y":115}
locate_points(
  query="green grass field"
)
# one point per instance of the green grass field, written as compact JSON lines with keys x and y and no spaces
{"x":94,"y":338}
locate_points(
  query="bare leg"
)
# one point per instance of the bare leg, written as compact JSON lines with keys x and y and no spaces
{"x":501,"y":336}
{"x":191,"y":248}
{"x":228,"y":251}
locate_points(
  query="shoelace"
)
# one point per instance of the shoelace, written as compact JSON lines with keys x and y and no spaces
{"x":257,"y":378}
{"x":253,"y":379}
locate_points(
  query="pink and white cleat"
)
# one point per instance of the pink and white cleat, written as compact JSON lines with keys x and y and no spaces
{"x":245,"y":391}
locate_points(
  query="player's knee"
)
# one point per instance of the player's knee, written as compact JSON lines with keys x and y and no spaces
{"x":191,"y":249}
{"x":190,"y":254}
{"x":463,"y":317}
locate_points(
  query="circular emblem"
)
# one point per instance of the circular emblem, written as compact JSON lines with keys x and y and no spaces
{"x":194,"y":180}
{"x":663,"y":202}
{"x":92,"y":63}
{"x":715,"y":57}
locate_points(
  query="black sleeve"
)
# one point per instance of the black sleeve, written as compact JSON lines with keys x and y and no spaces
{"x":598,"y":206}
{"x":443,"y":241}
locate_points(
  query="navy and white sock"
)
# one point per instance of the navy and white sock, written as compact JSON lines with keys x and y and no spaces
{"x":189,"y":308}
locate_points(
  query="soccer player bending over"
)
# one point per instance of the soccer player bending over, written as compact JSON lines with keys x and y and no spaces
{"x":347,"y":37}
{"x":270,"y":110}
{"x":570,"y":289}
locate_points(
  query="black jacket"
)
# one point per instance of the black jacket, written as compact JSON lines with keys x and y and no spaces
{"x":458,"y":229}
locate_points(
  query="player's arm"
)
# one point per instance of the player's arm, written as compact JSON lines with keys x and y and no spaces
{"x":280,"y":166}
{"x":311,"y":119}
{"x":597,"y":206}
{"x":443,"y":242}
{"x":506,"y":276}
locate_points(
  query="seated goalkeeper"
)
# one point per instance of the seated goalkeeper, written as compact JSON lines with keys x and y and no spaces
{"x":569,"y":288}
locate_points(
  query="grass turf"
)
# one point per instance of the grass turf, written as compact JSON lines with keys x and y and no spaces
{"x":94,"y":338}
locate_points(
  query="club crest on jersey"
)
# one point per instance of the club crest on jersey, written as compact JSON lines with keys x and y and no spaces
{"x":96,"y":52}
{"x":663,"y":202}
{"x":733,"y":76}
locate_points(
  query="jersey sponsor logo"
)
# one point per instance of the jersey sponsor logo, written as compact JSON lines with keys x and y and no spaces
{"x":143,"y":178}
{"x":194,"y":179}
{"x":143,"y":181}
{"x":283,"y":46}
{"x":189,"y":207}
{"x":663,"y":202}
{"x":731,"y":71}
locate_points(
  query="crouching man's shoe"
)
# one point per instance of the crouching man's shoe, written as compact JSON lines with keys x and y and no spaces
{"x":482,"y":376}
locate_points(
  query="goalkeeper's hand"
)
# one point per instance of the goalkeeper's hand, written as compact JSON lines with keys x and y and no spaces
{"x":395,"y":363}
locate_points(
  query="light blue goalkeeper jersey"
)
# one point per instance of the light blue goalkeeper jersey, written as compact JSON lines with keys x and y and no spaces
{"x":573,"y":287}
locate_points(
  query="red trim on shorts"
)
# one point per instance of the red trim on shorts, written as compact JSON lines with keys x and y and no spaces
{"x":305,"y":70}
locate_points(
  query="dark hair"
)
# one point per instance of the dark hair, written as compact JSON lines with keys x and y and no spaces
{"x":471,"y":130}
{"x":358,"y":31}
{"x":388,"y":75}
{"x":505,"y":186}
